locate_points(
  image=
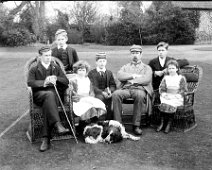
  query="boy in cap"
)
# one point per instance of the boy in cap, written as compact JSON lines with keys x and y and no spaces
{"x":103,"y":82}
{"x":63,"y":51}
{"x":41,"y":78}
{"x":135,"y":78}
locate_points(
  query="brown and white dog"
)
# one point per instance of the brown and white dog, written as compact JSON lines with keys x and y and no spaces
{"x":109,"y":131}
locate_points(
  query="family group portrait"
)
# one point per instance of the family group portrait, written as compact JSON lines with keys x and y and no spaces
{"x":105,"y":85}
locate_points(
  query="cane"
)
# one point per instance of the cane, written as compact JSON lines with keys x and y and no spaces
{"x":65,"y":112}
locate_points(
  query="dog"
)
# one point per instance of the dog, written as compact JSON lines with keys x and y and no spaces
{"x":109,"y":131}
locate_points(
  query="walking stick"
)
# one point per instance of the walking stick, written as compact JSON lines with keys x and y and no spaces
{"x":65,"y":113}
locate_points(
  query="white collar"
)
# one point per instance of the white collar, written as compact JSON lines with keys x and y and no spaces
{"x":162,"y":61}
{"x":64,"y":47}
{"x":45,"y":65}
{"x":98,"y":69}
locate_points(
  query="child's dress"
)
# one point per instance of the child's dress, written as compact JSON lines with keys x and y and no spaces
{"x":172,"y":89}
{"x":83,"y":107}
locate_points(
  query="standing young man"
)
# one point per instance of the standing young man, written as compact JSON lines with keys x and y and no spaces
{"x":42,"y":78}
{"x":136,"y":79}
{"x":63,"y":51}
{"x":103,"y":82}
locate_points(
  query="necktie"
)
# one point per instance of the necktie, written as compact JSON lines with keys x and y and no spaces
{"x":102,"y":73}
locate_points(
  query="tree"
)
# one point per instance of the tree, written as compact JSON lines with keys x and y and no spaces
{"x":83,"y":14}
{"x":37,"y":15}
{"x":132,"y":13}
{"x":165,"y":22}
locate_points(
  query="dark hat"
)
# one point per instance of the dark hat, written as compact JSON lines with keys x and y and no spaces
{"x":44,"y":49}
{"x":136,"y":48}
{"x":60,"y":31}
{"x":101,"y":55}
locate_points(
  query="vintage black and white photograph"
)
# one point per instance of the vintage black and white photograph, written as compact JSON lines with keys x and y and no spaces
{"x":105,"y":85}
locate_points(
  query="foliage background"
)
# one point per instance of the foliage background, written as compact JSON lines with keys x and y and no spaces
{"x":161,"y":22}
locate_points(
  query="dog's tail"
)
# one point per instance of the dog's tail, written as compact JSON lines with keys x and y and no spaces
{"x":129,"y":136}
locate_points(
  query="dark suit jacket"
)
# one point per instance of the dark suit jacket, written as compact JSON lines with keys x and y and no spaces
{"x":37,"y":75}
{"x":72,"y":56}
{"x":155,"y":65}
{"x":94,"y":78}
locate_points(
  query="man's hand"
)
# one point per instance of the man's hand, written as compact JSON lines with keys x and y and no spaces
{"x":105,"y":94}
{"x":50,"y":80}
{"x":158,"y":73}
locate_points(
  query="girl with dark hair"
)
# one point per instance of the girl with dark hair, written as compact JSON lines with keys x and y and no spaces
{"x":172,"y":88}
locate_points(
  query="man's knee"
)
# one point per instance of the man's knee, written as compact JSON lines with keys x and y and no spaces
{"x":50,"y":95}
{"x":140,"y":95}
{"x":116,"y":94}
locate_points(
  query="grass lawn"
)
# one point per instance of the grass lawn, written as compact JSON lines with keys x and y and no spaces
{"x":155,"y":151}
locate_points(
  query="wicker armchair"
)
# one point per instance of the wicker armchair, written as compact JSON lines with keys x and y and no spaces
{"x":36,"y":119}
{"x":184,"y":119}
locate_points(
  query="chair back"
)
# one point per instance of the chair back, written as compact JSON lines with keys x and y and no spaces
{"x":193,"y":75}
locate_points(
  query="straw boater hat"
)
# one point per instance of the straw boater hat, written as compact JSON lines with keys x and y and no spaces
{"x":136,"y":48}
{"x":61,"y":32}
{"x":101,"y":55}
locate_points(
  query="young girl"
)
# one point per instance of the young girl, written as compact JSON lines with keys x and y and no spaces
{"x":172,"y":88}
{"x":85,"y":105}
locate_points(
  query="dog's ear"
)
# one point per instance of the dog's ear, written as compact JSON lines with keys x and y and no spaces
{"x":87,"y":132}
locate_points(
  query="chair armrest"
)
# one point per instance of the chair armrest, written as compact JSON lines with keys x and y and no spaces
{"x":68,"y":95}
{"x":29,"y":90}
{"x":188,"y":98}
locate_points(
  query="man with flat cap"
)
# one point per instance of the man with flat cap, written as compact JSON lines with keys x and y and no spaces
{"x":63,"y":51}
{"x":136,"y":83}
{"x":42,"y":78}
{"x":103,"y":82}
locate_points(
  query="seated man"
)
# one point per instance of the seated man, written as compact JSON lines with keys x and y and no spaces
{"x":42,"y":78}
{"x":103,"y":82}
{"x":136,"y":78}
{"x":158,"y":64}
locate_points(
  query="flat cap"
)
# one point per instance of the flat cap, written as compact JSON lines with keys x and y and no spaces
{"x":60,"y":32}
{"x":44,"y":49}
{"x":101,"y":55}
{"x":136,"y":48}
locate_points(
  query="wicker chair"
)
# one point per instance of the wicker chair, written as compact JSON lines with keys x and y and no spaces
{"x":36,"y":119}
{"x":184,"y":119}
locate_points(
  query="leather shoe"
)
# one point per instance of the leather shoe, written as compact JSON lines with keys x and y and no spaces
{"x":60,"y":129}
{"x":45,"y":145}
{"x":137,"y":130}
